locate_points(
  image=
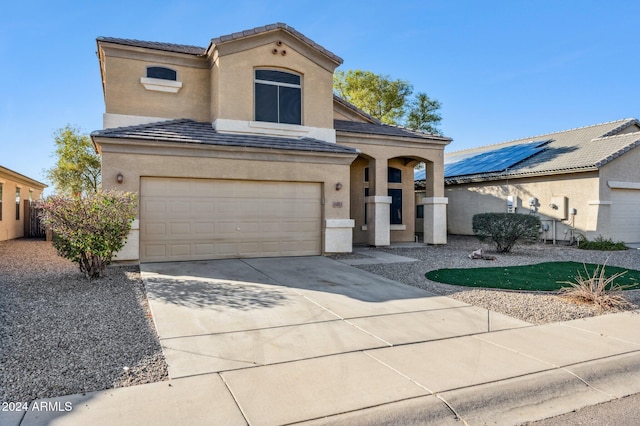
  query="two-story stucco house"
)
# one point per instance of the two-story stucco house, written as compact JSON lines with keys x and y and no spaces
{"x":241,"y":149}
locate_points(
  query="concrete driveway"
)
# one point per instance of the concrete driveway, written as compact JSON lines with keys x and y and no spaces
{"x":314,"y":341}
{"x":221,"y":315}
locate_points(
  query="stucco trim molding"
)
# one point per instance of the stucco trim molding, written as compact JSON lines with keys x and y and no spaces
{"x":391,"y":227}
{"x":623,"y":185}
{"x":378,"y":199}
{"x":224,"y":125}
{"x":435,"y":200}
{"x":111,"y":120}
{"x":160,"y":85}
{"x":340,"y":223}
{"x":600,"y":203}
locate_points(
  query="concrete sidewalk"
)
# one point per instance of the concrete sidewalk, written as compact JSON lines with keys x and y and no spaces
{"x":255,"y":342}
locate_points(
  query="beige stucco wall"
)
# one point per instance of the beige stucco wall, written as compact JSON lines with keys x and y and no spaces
{"x":11,"y":228}
{"x":200,"y":164}
{"x":233,"y":78}
{"x":126,"y":95}
{"x":465,"y":200}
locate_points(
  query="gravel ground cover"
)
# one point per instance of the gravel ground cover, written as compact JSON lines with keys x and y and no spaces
{"x":537,"y":308}
{"x":61,"y":334}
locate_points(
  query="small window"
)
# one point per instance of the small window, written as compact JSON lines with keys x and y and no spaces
{"x":395,"y":216}
{"x":17,"y":203}
{"x":278,"y":97}
{"x":0,"y":201}
{"x":366,"y":194}
{"x":420,"y":211}
{"x":366,"y":174}
{"x":161,"y":73}
{"x":394,"y":175}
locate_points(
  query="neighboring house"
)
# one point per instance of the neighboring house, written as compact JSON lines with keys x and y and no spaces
{"x":16,"y":192}
{"x":241,"y":149}
{"x":579,"y":181}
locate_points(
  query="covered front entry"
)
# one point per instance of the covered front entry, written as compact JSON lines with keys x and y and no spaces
{"x":194,"y":219}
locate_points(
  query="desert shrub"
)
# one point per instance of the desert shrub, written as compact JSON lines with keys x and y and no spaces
{"x":506,"y":229}
{"x":90,"y":229}
{"x":601,"y":243}
{"x":597,"y":289}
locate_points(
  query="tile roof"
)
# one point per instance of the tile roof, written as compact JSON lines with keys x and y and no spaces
{"x":193,"y":132}
{"x":277,"y":26}
{"x":383,"y":130}
{"x":355,"y":109}
{"x":574,"y":150}
{"x":167,"y":47}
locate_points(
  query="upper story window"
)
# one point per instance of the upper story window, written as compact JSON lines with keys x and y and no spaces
{"x":278,"y":97}
{"x":161,"y":79}
{"x":162,"y":73}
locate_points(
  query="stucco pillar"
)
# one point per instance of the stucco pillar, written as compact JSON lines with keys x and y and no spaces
{"x":378,"y":203}
{"x":338,"y":236}
{"x":378,"y":220}
{"x":435,"y":220}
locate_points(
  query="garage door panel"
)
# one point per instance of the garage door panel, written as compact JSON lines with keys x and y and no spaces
{"x":625,"y":220}
{"x":190,"y":219}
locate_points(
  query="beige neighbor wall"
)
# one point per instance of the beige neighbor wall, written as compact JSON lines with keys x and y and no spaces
{"x":11,"y":228}
{"x":125,"y":94}
{"x":620,"y":180}
{"x":465,"y":200}
{"x":201,"y":163}
{"x":233,"y":78}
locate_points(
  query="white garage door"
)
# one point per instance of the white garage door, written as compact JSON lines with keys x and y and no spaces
{"x":192,"y":219}
{"x":625,"y":215}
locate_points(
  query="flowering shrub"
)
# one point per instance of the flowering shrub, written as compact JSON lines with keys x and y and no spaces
{"x":89,"y":230}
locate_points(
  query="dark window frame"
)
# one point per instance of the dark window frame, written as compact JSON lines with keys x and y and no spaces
{"x":17,"y":203}
{"x":395,"y":208}
{"x":162,"y":73}
{"x":394,"y":175}
{"x":277,"y":97}
{"x":1,"y":195}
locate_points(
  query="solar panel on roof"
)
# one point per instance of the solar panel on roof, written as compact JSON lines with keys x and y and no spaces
{"x":496,"y":160}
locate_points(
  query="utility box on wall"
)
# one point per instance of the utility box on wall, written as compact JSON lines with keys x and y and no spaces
{"x":559,"y":207}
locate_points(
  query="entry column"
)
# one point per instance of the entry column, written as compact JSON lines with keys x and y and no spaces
{"x":435,"y":220}
{"x":378,"y":205}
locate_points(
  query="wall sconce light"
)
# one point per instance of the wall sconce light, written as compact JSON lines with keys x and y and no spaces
{"x":553,"y":206}
{"x":338,"y":186}
{"x":119,"y":178}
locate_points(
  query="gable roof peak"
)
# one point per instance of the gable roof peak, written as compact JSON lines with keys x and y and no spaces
{"x":274,"y":27}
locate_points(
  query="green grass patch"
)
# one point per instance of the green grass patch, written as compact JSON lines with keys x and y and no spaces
{"x":546,"y":276}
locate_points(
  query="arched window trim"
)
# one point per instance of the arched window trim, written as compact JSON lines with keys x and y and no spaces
{"x":277,"y":96}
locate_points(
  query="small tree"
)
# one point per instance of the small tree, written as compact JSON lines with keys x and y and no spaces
{"x":77,"y":168}
{"x":89,"y":230}
{"x":506,"y":229}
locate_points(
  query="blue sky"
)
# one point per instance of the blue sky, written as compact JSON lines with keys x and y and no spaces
{"x":502,"y":69}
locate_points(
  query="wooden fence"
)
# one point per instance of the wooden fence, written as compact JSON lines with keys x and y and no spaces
{"x":33,"y":227}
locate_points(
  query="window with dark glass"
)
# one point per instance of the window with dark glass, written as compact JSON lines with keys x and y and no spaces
{"x":420,"y":211}
{"x":366,"y":174}
{"x":366,"y":194}
{"x":162,"y":73}
{"x":18,"y":204}
{"x":394,"y":175}
{"x":278,"y":97}
{"x":395,"y":216}
{"x":0,"y":201}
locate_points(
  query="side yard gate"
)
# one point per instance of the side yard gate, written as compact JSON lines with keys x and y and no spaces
{"x":33,"y":227}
